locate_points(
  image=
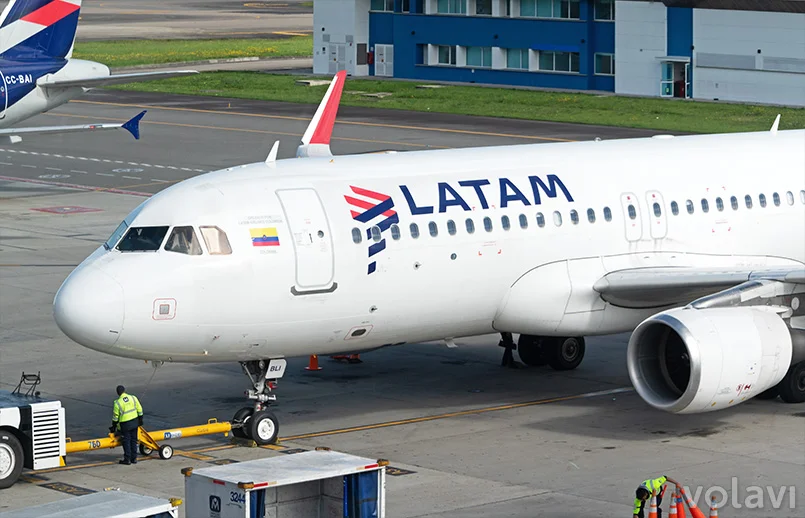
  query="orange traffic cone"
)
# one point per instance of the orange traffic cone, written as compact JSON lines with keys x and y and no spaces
{"x":679,"y":504}
{"x":652,"y":513}
{"x":695,"y":512}
{"x":672,"y":511}
{"x":713,"y":508}
{"x":313,"y":364}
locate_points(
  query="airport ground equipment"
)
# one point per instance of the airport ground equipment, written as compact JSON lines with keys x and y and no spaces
{"x":103,"y":504}
{"x":298,"y":485}
{"x":31,"y":431}
{"x":148,"y":440}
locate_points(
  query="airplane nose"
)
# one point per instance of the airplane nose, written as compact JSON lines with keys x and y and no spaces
{"x":89,"y":308}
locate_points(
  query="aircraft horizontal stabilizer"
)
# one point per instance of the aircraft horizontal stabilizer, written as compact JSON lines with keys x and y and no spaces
{"x":94,"y":82}
{"x":13,"y":135}
{"x":316,"y":140}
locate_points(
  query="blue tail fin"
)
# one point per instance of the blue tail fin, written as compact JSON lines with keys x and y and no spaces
{"x":38,"y":29}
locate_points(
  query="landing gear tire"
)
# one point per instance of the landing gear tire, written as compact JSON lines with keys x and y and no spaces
{"x":165,"y":452}
{"x":11,"y":459}
{"x":529,"y":348}
{"x":768,"y":394}
{"x":145,"y":451}
{"x":792,"y":388}
{"x":263,"y":427}
{"x":241,"y":417}
{"x":564,"y":354}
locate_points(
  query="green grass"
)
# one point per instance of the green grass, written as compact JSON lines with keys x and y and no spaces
{"x":659,"y":114}
{"x":123,"y":53}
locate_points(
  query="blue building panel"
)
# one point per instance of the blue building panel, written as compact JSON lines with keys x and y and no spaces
{"x":680,"y":31}
{"x":410,"y":33}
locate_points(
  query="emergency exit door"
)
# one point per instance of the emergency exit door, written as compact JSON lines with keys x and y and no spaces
{"x":631,"y":216}
{"x":312,"y":243}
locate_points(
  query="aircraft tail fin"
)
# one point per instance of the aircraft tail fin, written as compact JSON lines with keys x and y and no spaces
{"x":39,"y":29}
{"x":316,"y":140}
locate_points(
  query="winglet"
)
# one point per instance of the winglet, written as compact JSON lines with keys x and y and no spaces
{"x":316,"y":140}
{"x":133,"y":125}
{"x":272,"y":155}
{"x":775,"y":125}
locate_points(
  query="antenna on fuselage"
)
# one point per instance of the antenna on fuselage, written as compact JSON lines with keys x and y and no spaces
{"x":316,"y":140}
{"x":775,"y":125}
{"x":272,"y":155}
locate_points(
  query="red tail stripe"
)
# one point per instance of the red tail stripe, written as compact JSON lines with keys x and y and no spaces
{"x":370,"y":194}
{"x":51,"y":13}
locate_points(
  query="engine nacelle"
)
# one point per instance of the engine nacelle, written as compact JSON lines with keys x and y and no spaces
{"x":687,"y":361}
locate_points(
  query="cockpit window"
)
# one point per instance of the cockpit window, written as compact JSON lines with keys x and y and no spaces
{"x":116,"y":235}
{"x":142,"y":239}
{"x":184,"y":241}
{"x":216,"y":240}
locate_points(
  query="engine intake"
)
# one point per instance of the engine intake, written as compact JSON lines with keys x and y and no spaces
{"x":687,"y":361}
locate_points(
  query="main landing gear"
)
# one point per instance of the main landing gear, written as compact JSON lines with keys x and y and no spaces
{"x":561,"y":353}
{"x":792,"y":387}
{"x":257,"y":422}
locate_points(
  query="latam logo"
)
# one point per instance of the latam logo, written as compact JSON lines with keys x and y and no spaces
{"x":373,"y":209}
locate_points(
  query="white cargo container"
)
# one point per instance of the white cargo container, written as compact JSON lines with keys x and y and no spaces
{"x":312,"y":484}
{"x":104,"y":504}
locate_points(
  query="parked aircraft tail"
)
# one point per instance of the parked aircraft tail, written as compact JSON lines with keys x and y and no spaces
{"x":38,"y":29}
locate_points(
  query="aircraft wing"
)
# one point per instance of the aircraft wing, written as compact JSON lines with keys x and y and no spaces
{"x":94,"y":82}
{"x":665,"y":286}
{"x":13,"y":135}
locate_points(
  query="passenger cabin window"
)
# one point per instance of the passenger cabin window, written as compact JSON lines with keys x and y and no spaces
{"x":705,"y":205}
{"x":802,"y":197}
{"x":748,"y":200}
{"x":375,"y":234}
{"x":540,"y":220}
{"x":470,"y":226}
{"x":591,"y":215}
{"x":216,"y":240}
{"x":356,"y":236}
{"x":776,"y":198}
{"x":183,"y":240}
{"x":734,"y":203}
{"x":414,"y":228}
{"x":451,"y":227}
{"x":142,"y":239}
{"x":689,"y":206}
{"x":632,"y":212}
{"x":488,"y":224}
{"x":607,"y":214}
{"x":574,"y":217}
{"x":657,"y":209}
{"x":720,"y":204}
{"x":674,"y":208}
{"x":557,"y":219}
{"x":433,"y":229}
{"x":395,"y":232}
{"x":762,"y":200}
{"x":789,"y":196}
{"x":505,"y":223}
{"x":523,"y":221}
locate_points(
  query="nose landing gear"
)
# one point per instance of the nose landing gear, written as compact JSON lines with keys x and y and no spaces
{"x":257,"y":422}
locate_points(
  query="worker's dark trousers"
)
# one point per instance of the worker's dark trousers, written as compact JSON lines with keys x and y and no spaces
{"x":129,"y":432}
{"x":647,"y":504}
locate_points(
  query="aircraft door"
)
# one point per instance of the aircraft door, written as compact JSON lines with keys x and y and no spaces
{"x":657,"y":216}
{"x":3,"y":96}
{"x":631,"y":216}
{"x":312,"y":242}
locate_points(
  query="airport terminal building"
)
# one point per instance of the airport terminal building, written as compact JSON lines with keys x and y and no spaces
{"x":731,"y":50}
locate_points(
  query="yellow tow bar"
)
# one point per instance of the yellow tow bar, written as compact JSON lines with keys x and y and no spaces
{"x":148,"y":441}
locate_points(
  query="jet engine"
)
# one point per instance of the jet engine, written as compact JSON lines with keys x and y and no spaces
{"x":688,"y":360}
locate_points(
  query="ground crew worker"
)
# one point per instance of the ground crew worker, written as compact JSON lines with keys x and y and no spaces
{"x":127,"y":416}
{"x":647,"y":488}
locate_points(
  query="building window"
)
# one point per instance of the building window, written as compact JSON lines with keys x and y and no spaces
{"x":559,"y":61}
{"x":483,"y":7}
{"x":447,"y":55}
{"x":517,"y":58}
{"x":382,"y":5}
{"x":406,"y":6}
{"x":604,"y":9}
{"x":451,"y":6}
{"x":605,"y":64}
{"x":479,"y":56}
{"x":550,"y":9}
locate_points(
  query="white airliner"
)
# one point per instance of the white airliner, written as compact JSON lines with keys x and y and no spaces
{"x":38,"y":74}
{"x":696,"y":243}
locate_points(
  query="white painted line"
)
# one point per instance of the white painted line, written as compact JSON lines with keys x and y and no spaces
{"x":31,"y":166}
{"x":77,"y":171}
{"x":132,"y":177}
{"x":158,"y":180}
{"x":53,"y":169}
{"x":6,"y":163}
{"x":104,"y":174}
{"x":159,"y":166}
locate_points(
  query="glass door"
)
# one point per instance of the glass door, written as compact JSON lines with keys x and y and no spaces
{"x":667,"y":82}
